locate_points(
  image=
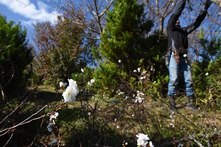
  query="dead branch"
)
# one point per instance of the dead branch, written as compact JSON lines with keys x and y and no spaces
{"x":17,"y":107}
{"x":26,"y":121}
{"x":8,"y":139}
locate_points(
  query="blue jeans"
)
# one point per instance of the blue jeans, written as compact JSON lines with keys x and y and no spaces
{"x":174,"y":70}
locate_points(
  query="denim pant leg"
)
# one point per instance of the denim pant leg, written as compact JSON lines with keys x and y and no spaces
{"x":173,"y":76}
{"x":186,"y":68}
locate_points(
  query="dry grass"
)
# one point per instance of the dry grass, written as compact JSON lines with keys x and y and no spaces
{"x":127,"y":118}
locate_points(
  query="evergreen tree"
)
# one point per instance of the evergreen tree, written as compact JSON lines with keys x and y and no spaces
{"x":206,"y":72}
{"x":127,"y":43}
{"x":15,"y":56}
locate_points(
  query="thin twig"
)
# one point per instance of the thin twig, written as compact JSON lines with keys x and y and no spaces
{"x":9,"y":139}
{"x":24,"y":121}
{"x":14,"y":110}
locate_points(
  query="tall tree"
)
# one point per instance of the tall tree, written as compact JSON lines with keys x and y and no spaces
{"x":60,"y":49}
{"x":91,"y":14}
{"x":94,"y":12}
{"x":15,"y":56}
{"x":127,"y":43}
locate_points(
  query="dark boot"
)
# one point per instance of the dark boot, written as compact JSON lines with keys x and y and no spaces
{"x":172,"y":103}
{"x":190,"y":104}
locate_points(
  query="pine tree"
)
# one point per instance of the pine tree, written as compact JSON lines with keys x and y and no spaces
{"x":126,"y":44}
{"x":15,"y":56}
{"x":124,"y":37}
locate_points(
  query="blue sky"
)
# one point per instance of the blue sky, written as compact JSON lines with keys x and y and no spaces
{"x":28,"y":12}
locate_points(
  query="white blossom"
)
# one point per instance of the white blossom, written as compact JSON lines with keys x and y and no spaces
{"x":119,"y":61}
{"x":69,"y":94}
{"x":143,"y":78}
{"x":139,"y":100}
{"x":144,"y":72}
{"x":139,"y":69}
{"x":71,"y":91}
{"x":62,"y":84}
{"x":51,"y":123}
{"x":53,"y":116}
{"x":82,"y":70}
{"x":72,"y":83}
{"x":180,"y":145}
{"x":91,"y":82}
{"x":206,"y":74}
{"x":143,"y":140}
{"x":172,"y":115}
{"x":139,"y":97}
{"x":151,"y":144}
{"x":120,"y":92}
{"x":152,"y":69}
{"x":172,"y":125}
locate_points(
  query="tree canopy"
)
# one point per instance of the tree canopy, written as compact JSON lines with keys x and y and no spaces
{"x":15,"y":56}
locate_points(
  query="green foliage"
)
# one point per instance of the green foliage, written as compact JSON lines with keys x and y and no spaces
{"x":108,"y":74}
{"x":199,"y":76}
{"x":210,"y":88}
{"x":15,"y":56}
{"x":102,"y":122}
{"x":127,"y":45}
{"x":211,"y":47}
{"x":124,"y":36}
{"x":206,"y":73}
{"x":119,"y":121}
{"x":83,"y":78}
{"x":85,"y":82}
{"x":79,"y":128}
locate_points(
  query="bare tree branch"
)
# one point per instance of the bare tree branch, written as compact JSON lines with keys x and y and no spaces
{"x":161,"y":10}
{"x":18,"y":106}
{"x":9,"y":139}
{"x":26,"y":121}
{"x":93,"y":12}
{"x":14,"y":110}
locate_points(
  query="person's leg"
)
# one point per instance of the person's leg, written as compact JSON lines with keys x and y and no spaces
{"x":188,"y":79}
{"x":189,"y":85}
{"x":173,"y":81}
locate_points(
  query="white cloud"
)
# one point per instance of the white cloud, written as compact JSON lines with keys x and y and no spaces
{"x":27,"y":9}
